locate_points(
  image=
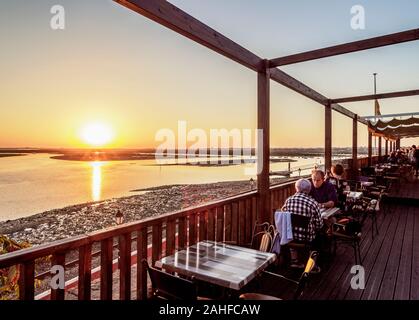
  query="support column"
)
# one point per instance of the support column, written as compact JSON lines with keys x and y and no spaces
{"x":328,"y":137}
{"x":386,"y":150}
{"x":397,"y":144}
{"x":355,"y":146}
{"x":369,"y":149}
{"x":264,"y":210}
{"x":380,"y":147}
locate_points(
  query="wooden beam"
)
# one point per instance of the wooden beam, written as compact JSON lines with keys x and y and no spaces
{"x":380,"y":146}
{"x":355,"y":46}
{"x":179,"y":21}
{"x":264,"y":149}
{"x":170,"y":16}
{"x":386,"y":148}
{"x":377,"y":96}
{"x":328,"y":138}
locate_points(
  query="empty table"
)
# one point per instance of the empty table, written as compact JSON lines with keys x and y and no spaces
{"x":221,"y":264}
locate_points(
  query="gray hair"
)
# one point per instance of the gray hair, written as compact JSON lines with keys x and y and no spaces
{"x":303,"y":185}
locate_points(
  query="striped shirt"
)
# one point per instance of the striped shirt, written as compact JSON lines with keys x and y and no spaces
{"x":302,"y":204}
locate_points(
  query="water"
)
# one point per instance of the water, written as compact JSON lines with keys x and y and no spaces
{"x":35,"y":183}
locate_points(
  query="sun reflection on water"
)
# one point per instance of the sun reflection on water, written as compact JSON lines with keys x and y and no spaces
{"x":96,"y":180}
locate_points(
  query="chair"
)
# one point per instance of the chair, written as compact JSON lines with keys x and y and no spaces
{"x":348,"y":232}
{"x":264,"y":234}
{"x":169,"y":287}
{"x":300,"y":222}
{"x":300,"y":284}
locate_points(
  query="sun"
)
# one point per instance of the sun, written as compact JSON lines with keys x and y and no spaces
{"x":97,"y":134}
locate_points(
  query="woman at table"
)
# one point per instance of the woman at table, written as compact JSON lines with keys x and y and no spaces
{"x":336,"y":178}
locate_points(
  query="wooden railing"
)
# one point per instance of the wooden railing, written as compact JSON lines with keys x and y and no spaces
{"x":230,"y":219}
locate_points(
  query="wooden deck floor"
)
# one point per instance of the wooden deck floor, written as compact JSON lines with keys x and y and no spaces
{"x":391,"y":259}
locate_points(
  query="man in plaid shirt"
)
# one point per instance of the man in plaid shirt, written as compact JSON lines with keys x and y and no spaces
{"x":302,"y":204}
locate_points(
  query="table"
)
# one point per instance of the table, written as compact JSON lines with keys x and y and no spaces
{"x":221,"y":264}
{"x":326,"y":214}
{"x":354,"y":195}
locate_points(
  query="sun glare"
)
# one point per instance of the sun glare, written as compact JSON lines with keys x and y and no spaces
{"x":97,"y":134}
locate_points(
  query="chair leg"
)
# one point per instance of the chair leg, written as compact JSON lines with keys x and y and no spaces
{"x":359,"y":252}
{"x":355,"y":253}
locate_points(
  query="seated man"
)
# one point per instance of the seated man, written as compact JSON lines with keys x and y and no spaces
{"x":323,"y":191}
{"x":301,"y":203}
{"x":336,"y":178}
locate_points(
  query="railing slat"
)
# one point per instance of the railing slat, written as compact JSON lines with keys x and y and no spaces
{"x":181,"y":238}
{"x":58,"y":259}
{"x":27,"y":281}
{"x":85,"y":272}
{"x":203,"y":226}
{"x":156,"y":243}
{"x":220,"y":224}
{"x":142,"y":242}
{"x":211,"y":224}
{"x":170,"y":237}
{"x":242,"y":222}
{"x":106,"y":258}
{"x":192,"y":229}
{"x":227,"y":227}
{"x":235,"y":222}
{"x":248,"y":229}
{"x":125,"y":267}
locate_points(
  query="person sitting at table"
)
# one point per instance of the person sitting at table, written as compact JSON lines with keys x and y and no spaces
{"x":392,"y":158}
{"x":302,"y":204}
{"x":336,"y":178}
{"x":323,"y":191}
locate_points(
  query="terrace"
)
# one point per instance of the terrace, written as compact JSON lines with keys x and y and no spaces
{"x":391,"y":259}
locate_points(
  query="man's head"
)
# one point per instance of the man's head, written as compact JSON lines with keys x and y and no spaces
{"x":303,"y":185}
{"x":337,"y":170}
{"x":317,"y":176}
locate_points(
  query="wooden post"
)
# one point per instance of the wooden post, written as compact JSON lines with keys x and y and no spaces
{"x":328,"y":137}
{"x":380,"y":146}
{"x":369,"y":148}
{"x":386,"y":147}
{"x":263,"y":150}
{"x":355,"y":146}
{"x":398,"y":144}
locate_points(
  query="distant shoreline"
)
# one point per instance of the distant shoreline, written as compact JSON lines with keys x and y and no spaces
{"x":4,"y":155}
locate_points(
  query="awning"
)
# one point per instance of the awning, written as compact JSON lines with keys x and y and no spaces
{"x":395,"y":128}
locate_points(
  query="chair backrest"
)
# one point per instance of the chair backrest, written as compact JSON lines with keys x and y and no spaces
{"x":300,"y":222}
{"x":302,"y":283}
{"x":263,"y":233}
{"x":167,"y":286}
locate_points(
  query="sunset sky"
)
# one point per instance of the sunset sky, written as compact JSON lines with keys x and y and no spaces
{"x":113,"y":66}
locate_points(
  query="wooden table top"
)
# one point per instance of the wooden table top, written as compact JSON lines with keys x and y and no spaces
{"x":221,"y":264}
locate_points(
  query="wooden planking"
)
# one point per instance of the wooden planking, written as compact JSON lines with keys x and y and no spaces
{"x":388,"y":283}
{"x":377,"y":96}
{"x":192,"y":229}
{"x":156,"y":250}
{"x":142,"y":242}
{"x":85,"y":272}
{"x":414,"y":293}
{"x":376,"y":42}
{"x":220,"y":224}
{"x":106,"y":257}
{"x":125,"y":266}
{"x":402,"y":289}
{"x":203,"y":225}
{"x":58,"y":259}
{"x":355,"y":144}
{"x":227,"y":224}
{"x":211,"y":224}
{"x":179,"y":21}
{"x":26,"y":281}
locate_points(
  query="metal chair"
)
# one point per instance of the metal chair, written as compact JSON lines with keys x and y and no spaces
{"x":301,"y":284}
{"x":169,"y":287}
